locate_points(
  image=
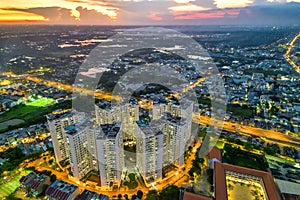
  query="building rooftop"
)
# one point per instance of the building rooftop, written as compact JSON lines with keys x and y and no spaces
{"x":175,"y":120}
{"x":60,"y":190}
{"x":271,"y":189}
{"x":154,"y":128}
{"x":110,"y":130}
{"x":105,"y":105}
{"x":88,"y":195}
{"x":76,"y":128}
{"x":28,"y":178}
{"x":59,"y":115}
{"x":192,"y":196}
{"x":38,"y":181}
{"x":215,"y":153}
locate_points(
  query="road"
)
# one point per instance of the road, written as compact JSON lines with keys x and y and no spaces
{"x":197,"y":118}
{"x":204,"y":120}
{"x":70,"y":88}
{"x":174,"y":178}
{"x":247,"y":130}
{"x":288,"y":53}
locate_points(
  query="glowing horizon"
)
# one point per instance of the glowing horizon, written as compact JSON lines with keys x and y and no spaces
{"x":123,"y":11}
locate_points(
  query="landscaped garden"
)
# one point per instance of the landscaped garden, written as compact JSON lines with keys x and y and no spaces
{"x":244,"y":189}
{"x":236,"y":156}
{"x":131,"y":182}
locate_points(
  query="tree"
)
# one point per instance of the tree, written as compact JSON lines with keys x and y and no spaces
{"x":52,"y":178}
{"x":248,"y":146}
{"x":269,"y":151}
{"x":51,"y":161}
{"x":239,"y":142}
{"x":210,"y":176}
{"x":152,"y":195}
{"x":46,"y":172}
{"x":131,"y":177}
{"x":193,"y":170}
{"x":13,"y":154}
{"x":140,"y":194}
{"x":169,"y":193}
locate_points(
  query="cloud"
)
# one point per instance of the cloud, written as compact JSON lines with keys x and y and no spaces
{"x":158,"y":12}
{"x":154,"y":17}
{"x":55,"y":15}
{"x":92,"y":17}
{"x":269,"y":14}
{"x":187,"y":8}
{"x":207,"y":3}
{"x":15,"y":16}
{"x":212,"y":14}
{"x":183,"y":1}
{"x":232,"y":3}
{"x":140,"y":13}
{"x":277,"y":14}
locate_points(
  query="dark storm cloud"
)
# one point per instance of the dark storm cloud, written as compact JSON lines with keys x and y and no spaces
{"x":277,"y":14}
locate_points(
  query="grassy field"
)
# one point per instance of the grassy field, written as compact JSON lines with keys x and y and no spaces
{"x":30,"y":114}
{"x":5,"y":82}
{"x":41,"y":102}
{"x":9,"y":187}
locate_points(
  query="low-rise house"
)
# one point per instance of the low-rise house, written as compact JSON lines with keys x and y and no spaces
{"x":26,"y":181}
{"x":88,"y":195}
{"x":34,"y":183}
{"x":60,"y":190}
{"x":39,"y":183}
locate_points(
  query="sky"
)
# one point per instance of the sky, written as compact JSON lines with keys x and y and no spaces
{"x":151,"y":12}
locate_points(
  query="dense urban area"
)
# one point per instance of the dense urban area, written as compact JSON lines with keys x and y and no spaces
{"x":48,"y":150}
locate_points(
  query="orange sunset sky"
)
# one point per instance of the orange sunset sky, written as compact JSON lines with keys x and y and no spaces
{"x":115,"y":12}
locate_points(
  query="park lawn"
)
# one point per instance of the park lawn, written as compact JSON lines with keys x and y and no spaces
{"x":30,"y":114}
{"x":8,"y":188}
{"x":41,"y":102}
{"x":23,"y":112}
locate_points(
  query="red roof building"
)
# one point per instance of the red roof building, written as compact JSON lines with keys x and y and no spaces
{"x":192,"y":196}
{"x":221,"y":169}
